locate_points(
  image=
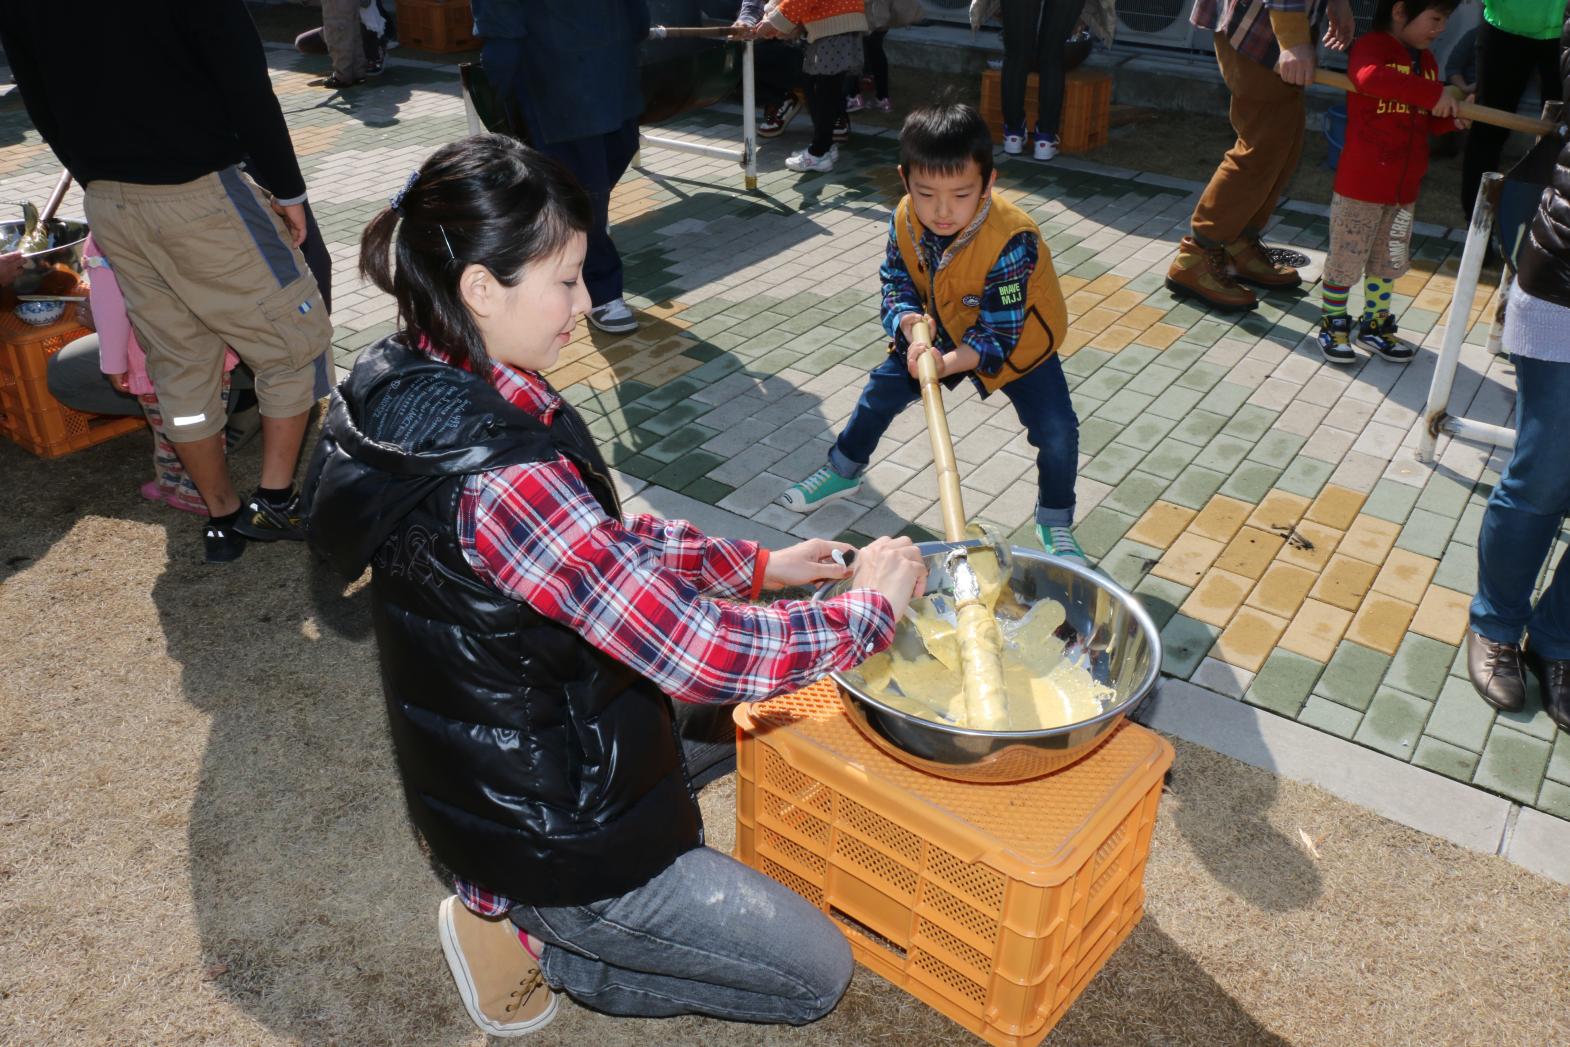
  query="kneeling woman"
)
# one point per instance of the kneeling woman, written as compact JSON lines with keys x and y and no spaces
{"x":531,"y":635}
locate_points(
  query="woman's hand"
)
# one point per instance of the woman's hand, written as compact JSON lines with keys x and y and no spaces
{"x":765,"y":30}
{"x":740,"y":30}
{"x":893,"y":567}
{"x":805,"y":563}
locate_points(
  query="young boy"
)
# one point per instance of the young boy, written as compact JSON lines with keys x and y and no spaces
{"x":975,"y":267}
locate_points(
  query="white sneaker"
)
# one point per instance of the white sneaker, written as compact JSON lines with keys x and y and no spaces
{"x":614,"y":317}
{"x":1013,"y":144}
{"x":805,"y":161}
{"x":1045,"y":148}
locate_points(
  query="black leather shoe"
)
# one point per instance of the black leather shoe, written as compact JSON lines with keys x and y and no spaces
{"x":1554,"y":676}
{"x":1495,"y":670}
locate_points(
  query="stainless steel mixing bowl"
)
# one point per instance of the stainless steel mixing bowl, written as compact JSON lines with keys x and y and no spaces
{"x":1107,"y":631}
{"x":66,"y":238}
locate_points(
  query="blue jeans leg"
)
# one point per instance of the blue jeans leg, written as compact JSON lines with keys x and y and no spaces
{"x":889,"y":390}
{"x":706,"y":936}
{"x":1524,"y":514}
{"x":1041,"y":400}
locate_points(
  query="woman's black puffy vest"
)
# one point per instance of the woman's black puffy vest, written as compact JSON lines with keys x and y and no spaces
{"x":1545,"y":256}
{"x":534,"y":765}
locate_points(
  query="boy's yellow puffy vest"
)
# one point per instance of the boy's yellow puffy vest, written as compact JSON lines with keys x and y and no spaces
{"x":954,"y":297}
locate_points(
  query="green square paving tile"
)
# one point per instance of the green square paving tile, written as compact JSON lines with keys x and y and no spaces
{"x":1305,"y":476}
{"x":708,"y":490}
{"x":1458,"y":569}
{"x":1513,"y":765}
{"x":1135,"y":493}
{"x":689,"y":467}
{"x":671,"y":394}
{"x":1161,"y":598}
{"x":1133,"y":358}
{"x":1250,"y":422}
{"x":1391,"y":500}
{"x":1147,"y":432}
{"x":1251,"y":481}
{"x":639,"y":465}
{"x":1125,"y":406}
{"x":1201,"y":376}
{"x":1096,"y":433}
{"x":1283,"y":683}
{"x":1169,"y":459}
{"x":1115,"y":461}
{"x":1277,"y":448}
{"x":1199,"y":427}
{"x":1533,"y":719}
{"x":1223,"y":453}
{"x":1559,"y":763}
{"x":1104,"y":384}
{"x":1444,"y":495}
{"x":1426,"y":533}
{"x":1177,"y":402}
{"x":1420,"y":666}
{"x":1184,"y":354}
{"x":1155,"y":379}
{"x":1086,"y":362}
{"x":1460,"y":717}
{"x":1471,"y":521}
{"x":1554,"y":799}
{"x":1330,"y":717}
{"x":679,"y":443}
{"x":1184,"y":643}
{"x":1100,"y":530}
{"x":1208,"y":331}
{"x":1194,"y":486}
{"x":1128,"y":562}
{"x":673,"y":418}
{"x":1352,"y":675}
{"x":1393,"y":723}
{"x":1446,"y":759}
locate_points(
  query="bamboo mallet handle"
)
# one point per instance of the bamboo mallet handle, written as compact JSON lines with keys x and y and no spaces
{"x":1480,"y":114}
{"x":949,"y":497}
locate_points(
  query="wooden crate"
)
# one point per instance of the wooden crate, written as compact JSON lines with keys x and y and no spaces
{"x":1087,"y":105}
{"x":437,"y":25}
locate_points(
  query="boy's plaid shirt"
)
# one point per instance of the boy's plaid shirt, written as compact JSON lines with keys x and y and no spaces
{"x":1246,"y":23}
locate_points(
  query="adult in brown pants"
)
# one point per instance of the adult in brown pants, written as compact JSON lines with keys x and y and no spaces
{"x":1267,"y":55}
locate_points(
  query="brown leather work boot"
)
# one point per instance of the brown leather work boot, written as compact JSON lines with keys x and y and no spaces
{"x":1201,"y":272}
{"x":1251,"y":265}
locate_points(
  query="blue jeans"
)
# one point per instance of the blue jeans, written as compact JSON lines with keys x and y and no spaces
{"x":1524,"y":515}
{"x":706,"y":936}
{"x":1040,"y":398}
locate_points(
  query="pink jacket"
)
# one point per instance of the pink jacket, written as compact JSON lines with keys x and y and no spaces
{"x":118,"y":350}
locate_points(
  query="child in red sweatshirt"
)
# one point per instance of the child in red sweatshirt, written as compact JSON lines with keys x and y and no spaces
{"x":1400,"y":101}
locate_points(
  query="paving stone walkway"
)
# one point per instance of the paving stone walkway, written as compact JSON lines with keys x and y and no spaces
{"x":1267,"y":507}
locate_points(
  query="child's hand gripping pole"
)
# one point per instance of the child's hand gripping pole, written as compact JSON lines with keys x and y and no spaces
{"x":980,"y":641}
{"x":1478,"y":114}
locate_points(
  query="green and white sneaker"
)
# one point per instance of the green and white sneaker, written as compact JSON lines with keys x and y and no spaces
{"x":821,"y":488}
{"x":1059,"y":541}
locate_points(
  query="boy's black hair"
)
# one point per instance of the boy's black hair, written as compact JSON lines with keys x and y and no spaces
{"x":487,"y":200}
{"x":943,"y":138}
{"x":1383,"y":12}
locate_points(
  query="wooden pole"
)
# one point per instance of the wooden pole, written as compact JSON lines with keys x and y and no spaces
{"x":1480,"y":114}
{"x":678,"y":32}
{"x":55,"y":198}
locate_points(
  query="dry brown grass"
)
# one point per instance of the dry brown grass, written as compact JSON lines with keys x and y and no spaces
{"x":202,"y":842}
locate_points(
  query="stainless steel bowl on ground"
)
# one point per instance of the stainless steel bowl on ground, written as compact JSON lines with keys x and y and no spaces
{"x":66,"y":237}
{"x":1110,"y":634}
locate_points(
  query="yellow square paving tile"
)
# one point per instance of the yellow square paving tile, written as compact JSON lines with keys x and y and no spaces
{"x":1070,"y":284}
{"x":1107,"y":283}
{"x":1143,"y":316}
{"x":1370,"y":539}
{"x":1279,"y":509}
{"x":572,"y":374}
{"x":1114,"y":338}
{"x":1282,"y":589}
{"x":1123,"y":300}
{"x":1215,"y":599}
{"x":1381,"y":622}
{"x":1316,"y":630}
{"x":1322,"y":542}
{"x":1405,"y":575}
{"x":666,"y":370}
{"x":1335,"y":507}
{"x":1221,"y":518}
{"x":1081,"y":302}
{"x":1250,"y":552}
{"x":1249,"y":639}
{"x":1098,"y":319}
{"x":1189,"y":557}
{"x":1160,"y":336}
{"x":1161,"y":524}
{"x":1442,"y":615}
{"x":1345,"y":582}
{"x":1074,"y":342}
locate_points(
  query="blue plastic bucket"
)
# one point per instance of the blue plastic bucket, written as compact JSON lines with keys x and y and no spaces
{"x":1335,"y":133}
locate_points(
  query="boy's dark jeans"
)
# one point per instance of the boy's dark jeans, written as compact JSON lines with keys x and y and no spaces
{"x":1040,"y":398}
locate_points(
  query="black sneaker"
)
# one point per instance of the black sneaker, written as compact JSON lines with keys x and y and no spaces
{"x":265,"y":522}
{"x":222,"y":543}
{"x":1378,"y":335}
{"x":1334,"y":332}
{"x":842,"y":128}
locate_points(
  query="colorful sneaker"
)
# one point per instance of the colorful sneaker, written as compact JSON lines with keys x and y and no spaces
{"x":499,"y":982}
{"x":821,"y":488}
{"x":1334,"y":332}
{"x":841,"y":128}
{"x":883,"y":105}
{"x":854,"y":104}
{"x":614,"y":317}
{"x":1013,"y":141}
{"x":1045,"y":148}
{"x":1378,"y":335}
{"x":1060,"y":541}
{"x":266,"y":522}
{"x":805,"y":161}
{"x":778,"y":117}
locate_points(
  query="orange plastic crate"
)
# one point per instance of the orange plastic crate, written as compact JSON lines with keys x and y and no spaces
{"x":994,"y":904}
{"x":29,"y":416}
{"x":1087,"y":107}
{"x":437,"y":25}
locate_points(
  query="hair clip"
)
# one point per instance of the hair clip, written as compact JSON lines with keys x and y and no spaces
{"x":443,"y":230}
{"x":395,"y":201}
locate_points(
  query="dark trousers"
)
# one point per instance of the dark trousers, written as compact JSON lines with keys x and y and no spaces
{"x":597,"y":162}
{"x":1034,"y":34}
{"x":1040,"y":399}
{"x":1506,"y":63}
{"x":874,"y":64}
{"x":826,"y":103}
{"x":777,"y":68}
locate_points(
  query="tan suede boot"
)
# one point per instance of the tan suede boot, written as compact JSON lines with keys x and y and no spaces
{"x":1251,"y":265}
{"x":1201,"y":272}
{"x":499,"y":981}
